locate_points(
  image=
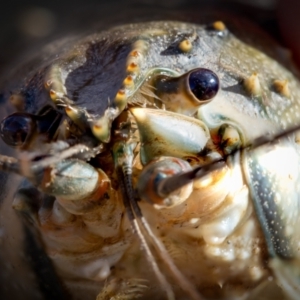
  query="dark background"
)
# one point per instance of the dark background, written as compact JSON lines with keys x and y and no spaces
{"x":27,"y":25}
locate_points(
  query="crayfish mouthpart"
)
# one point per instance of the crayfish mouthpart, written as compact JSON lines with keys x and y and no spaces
{"x":181,"y":136}
{"x":77,"y":185}
{"x":153,"y":176}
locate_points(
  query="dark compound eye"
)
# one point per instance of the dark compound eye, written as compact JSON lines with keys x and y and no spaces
{"x":204,"y":84}
{"x":15,"y":129}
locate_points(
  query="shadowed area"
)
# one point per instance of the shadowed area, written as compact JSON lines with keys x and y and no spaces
{"x":99,"y":79}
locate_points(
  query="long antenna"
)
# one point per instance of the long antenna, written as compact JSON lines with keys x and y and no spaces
{"x":174,"y":182}
{"x":161,"y":250}
{"x":136,"y":229}
{"x":123,"y":157}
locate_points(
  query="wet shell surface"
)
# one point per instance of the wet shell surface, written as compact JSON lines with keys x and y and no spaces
{"x":147,"y":102}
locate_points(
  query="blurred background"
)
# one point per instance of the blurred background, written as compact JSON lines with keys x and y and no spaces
{"x":25,"y":25}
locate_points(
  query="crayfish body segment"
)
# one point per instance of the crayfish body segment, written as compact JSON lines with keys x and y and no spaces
{"x":151,"y":170}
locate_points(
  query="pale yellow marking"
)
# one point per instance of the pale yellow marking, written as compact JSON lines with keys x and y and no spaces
{"x":219,"y":25}
{"x":139,"y":114}
{"x":132,"y":67}
{"x":100,"y":129}
{"x":231,"y":136}
{"x":134,"y":53}
{"x":252,"y":85}
{"x":72,"y":113}
{"x":53,"y":95}
{"x":120,"y":100}
{"x":185,"y":46}
{"x":140,"y":46}
{"x":120,"y":97}
{"x":282,"y":87}
{"x":128,"y":82}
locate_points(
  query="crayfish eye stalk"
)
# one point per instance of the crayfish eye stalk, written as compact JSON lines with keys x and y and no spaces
{"x":150,"y":182}
{"x":184,"y":94}
{"x":19,"y":129}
